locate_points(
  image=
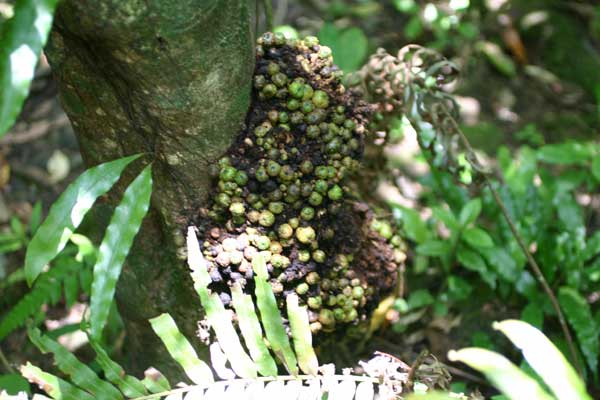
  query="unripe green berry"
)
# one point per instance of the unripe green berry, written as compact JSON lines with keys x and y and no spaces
{"x":319,"y":256}
{"x":335,"y":193}
{"x":279,"y":261}
{"x":266,"y":218}
{"x":307,"y":107}
{"x":279,"y":79}
{"x":314,"y":302}
{"x":293,"y":105}
{"x":326,"y":317}
{"x":294,"y":222}
{"x":272,"y":68}
{"x":339,"y":314}
{"x":276,"y":207}
{"x":241,"y":178}
{"x":324,"y":52}
{"x":312,"y":278}
{"x":261,"y":174}
{"x":321,"y":186}
{"x":284,"y":117}
{"x":321,"y":172}
{"x":237,"y":209}
{"x":358,"y":292}
{"x":313,"y":131}
{"x":308,"y":92}
{"x":269,"y":90}
{"x":285,"y":231}
{"x":262,"y":242}
{"x":303,"y":256}
{"x":311,"y":41}
{"x":305,"y":234}
{"x":306,"y":166}
{"x":320,"y":99}
{"x":302,"y":288}
{"x":287,"y":173}
{"x":307,"y":213}
{"x":223,"y":199}
{"x":296,"y":89}
{"x":315,"y":199}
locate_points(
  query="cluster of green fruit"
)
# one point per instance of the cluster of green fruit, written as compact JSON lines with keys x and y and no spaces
{"x":283,"y":184}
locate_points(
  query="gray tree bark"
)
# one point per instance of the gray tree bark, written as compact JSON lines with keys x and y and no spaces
{"x":170,"y":79}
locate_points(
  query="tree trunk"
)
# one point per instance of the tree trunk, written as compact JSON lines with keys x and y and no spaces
{"x":170,"y":79}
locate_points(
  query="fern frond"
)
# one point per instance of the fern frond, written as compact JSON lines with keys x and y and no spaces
{"x":46,"y":290}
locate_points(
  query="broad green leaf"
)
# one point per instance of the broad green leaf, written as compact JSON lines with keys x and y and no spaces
{"x":349,"y":46}
{"x":270,"y":316}
{"x":579,"y":314}
{"x":596,"y":167}
{"x":412,"y":224}
{"x":301,"y":335}
{"x":502,"y":262}
{"x":533,"y":315}
{"x":67,"y":213}
{"x":565,"y":153}
{"x":13,"y":384}
{"x":181,"y":350}
{"x":54,"y":386}
{"x":447,"y":217}
{"x":218,"y":317}
{"x":124,"y":225}
{"x":471,"y":260}
{"x":477,"y":238}
{"x":434,"y":248}
{"x":545,"y":359}
{"x":80,"y":374}
{"x":458,"y":288}
{"x":155,"y":381}
{"x":419,"y":298}
{"x":592,"y":246}
{"x":470,"y":212}
{"x":129,"y":385}
{"x":21,"y":41}
{"x":505,"y":376}
{"x":252,"y":331}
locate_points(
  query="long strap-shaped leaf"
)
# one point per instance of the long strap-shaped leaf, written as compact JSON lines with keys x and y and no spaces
{"x":545,"y":359}
{"x":301,"y":335}
{"x":129,"y":385}
{"x":270,"y":316}
{"x":21,"y":41}
{"x":80,"y":374}
{"x":216,"y":314}
{"x":67,"y":213}
{"x":181,"y":350}
{"x":115,"y":246}
{"x":506,"y":376}
{"x":252,"y":332}
{"x":54,"y":386}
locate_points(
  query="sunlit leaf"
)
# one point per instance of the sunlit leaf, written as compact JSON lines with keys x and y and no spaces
{"x":477,"y":238}
{"x":124,"y":225}
{"x":21,"y":41}
{"x":252,"y":331}
{"x":349,"y":46}
{"x":80,"y":374}
{"x":470,"y":212}
{"x":270,"y":316}
{"x":434,"y":248}
{"x":181,"y":350}
{"x":301,"y":335}
{"x":545,"y":359}
{"x":505,"y":376}
{"x":67,"y":213}
{"x":57,"y":388}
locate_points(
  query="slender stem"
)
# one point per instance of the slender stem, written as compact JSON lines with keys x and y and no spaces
{"x":5,"y":363}
{"x":521,"y":242}
{"x":268,"y":14}
{"x":410,"y":380}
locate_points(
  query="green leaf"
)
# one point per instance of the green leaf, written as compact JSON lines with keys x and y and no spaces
{"x":579,"y":314}
{"x":252,"y":331}
{"x":181,"y":350}
{"x":13,"y":384}
{"x":349,"y":46}
{"x":299,"y":325}
{"x":470,"y":212}
{"x":505,"y":376}
{"x":80,"y":374}
{"x":546,"y":360}
{"x":420,"y":298}
{"x":565,"y":153}
{"x":533,"y":315}
{"x":67,"y":213}
{"x":446,"y":217}
{"x":36,"y":217}
{"x":121,"y":231}
{"x":129,"y":385}
{"x":477,"y":238}
{"x":434,"y":248}
{"x":592,"y":246}
{"x":502,"y":262}
{"x":218,"y":317}
{"x":21,"y":41}
{"x":270,"y":317}
{"x":596,"y":167}
{"x":471,"y":260}
{"x":497,"y":57}
{"x":412,"y":224}
{"x":54,"y":386}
